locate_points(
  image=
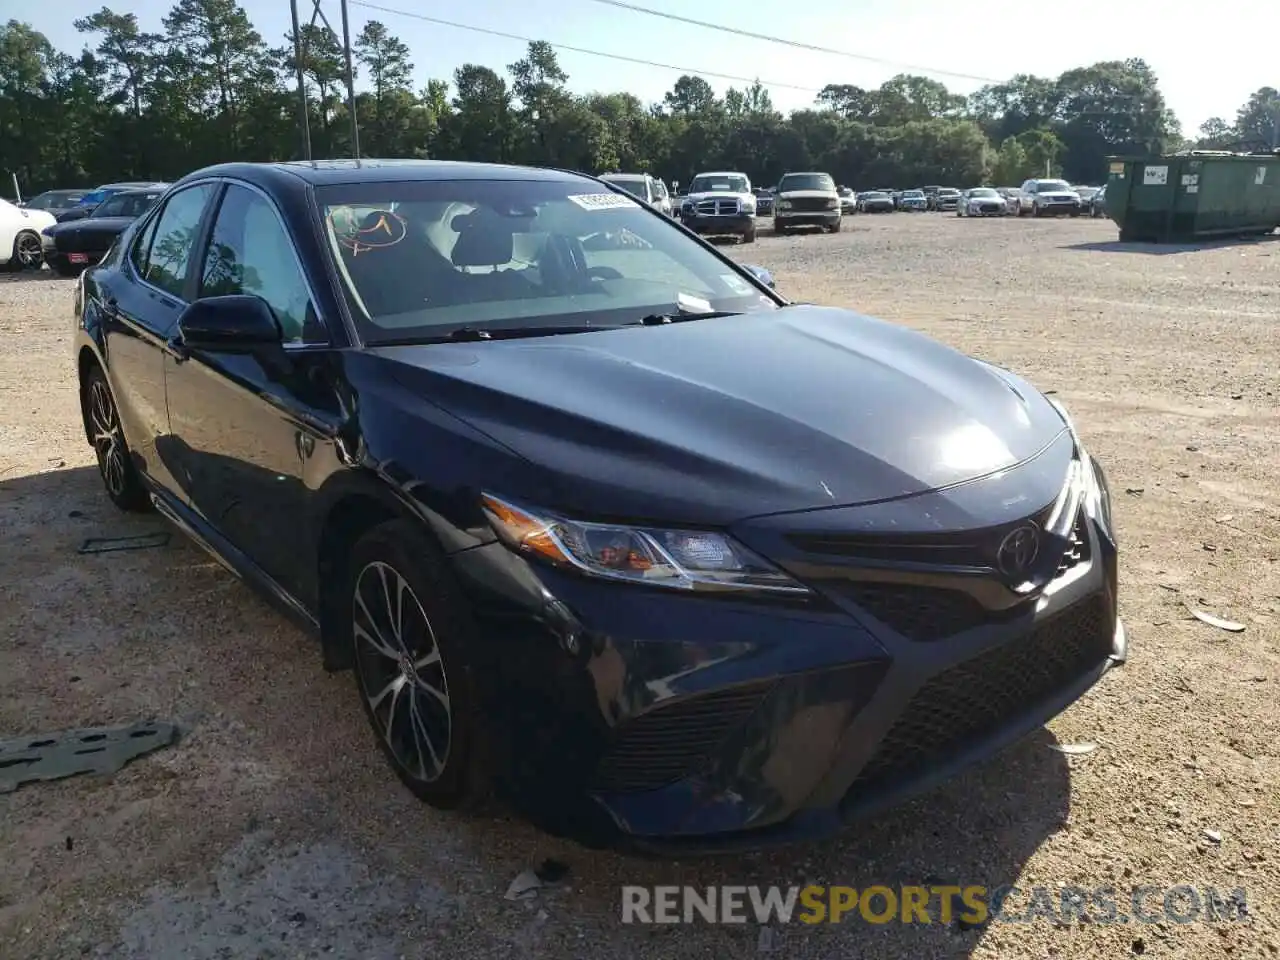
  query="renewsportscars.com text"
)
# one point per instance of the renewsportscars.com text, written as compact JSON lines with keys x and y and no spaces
{"x":970,"y":905}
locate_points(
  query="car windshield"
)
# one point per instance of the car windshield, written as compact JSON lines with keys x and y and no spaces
{"x":1050,"y":186}
{"x":876,"y":195}
{"x":948,"y":192}
{"x":54,"y":201}
{"x":806,"y":181}
{"x":913,"y":194}
{"x":719,"y":183}
{"x":633,"y":185}
{"x":983,"y":192}
{"x":422,"y":259}
{"x":126,"y":205}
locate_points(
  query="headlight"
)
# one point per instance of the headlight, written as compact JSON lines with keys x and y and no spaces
{"x":784,"y":204}
{"x":1097,"y":492}
{"x":677,"y":559}
{"x":832,"y":204}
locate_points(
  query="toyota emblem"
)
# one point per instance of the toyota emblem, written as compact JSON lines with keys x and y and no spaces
{"x":1018,"y":551}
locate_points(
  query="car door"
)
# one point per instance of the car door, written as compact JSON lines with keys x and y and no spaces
{"x":250,"y":421}
{"x":140,"y":306}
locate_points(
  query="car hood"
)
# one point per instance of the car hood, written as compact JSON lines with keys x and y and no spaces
{"x":721,"y":419}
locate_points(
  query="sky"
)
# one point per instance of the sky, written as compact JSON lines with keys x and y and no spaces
{"x":988,"y":40}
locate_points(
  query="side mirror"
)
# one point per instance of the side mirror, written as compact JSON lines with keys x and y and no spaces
{"x":761,"y":274}
{"x":237,"y":322}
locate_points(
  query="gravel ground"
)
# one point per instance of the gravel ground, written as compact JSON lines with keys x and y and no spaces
{"x":273,"y":829}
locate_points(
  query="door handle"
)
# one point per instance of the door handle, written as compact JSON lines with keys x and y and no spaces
{"x":177,"y":349}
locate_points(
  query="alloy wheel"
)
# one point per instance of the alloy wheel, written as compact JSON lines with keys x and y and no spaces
{"x":30,"y":251}
{"x":108,"y":440}
{"x":402,"y":675}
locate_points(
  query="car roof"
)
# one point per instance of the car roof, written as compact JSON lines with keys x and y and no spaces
{"x":325,"y":172}
{"x":722,"y":173}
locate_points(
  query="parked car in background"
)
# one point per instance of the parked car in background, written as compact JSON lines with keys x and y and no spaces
{"x":72,"y":246}
{"x":1098,"y":202}
{"x":930,"y":193}
{"x":1012,"y":198}
{"x":764,"y":201}
{"x":20,"y":247}
{"x":1086,"y":196}
{"x":806,"y":200}
{"x":896,"y":195}
{"x":848,"y":200}
{"x":913,"y":201}
{"x":720,"y":204}
{"x":982,"y":202}
{"x":55,"y":201}
{"x":875,"y":201}
{"x":95,"y":196}
{"x":643,"y":187}
{"x":946,"y":199}
{"x":1050,"y":198}
{"x":504,"y":448}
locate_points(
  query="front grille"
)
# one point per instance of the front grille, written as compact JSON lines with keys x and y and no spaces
{"x":672,"y":742}
{"x":922,"y":614}
{"x":717,"y":208}
{"x":976,"y":699}
{"x":990,"y":208}
{"x":809,"y":204}
{"x":1077,"y":551}
{"x":968,"y":548}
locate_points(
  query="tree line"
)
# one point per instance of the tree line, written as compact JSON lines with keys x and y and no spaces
{"x":208,"y":88}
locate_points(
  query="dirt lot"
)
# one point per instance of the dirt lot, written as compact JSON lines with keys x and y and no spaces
{"x":273,"y":829}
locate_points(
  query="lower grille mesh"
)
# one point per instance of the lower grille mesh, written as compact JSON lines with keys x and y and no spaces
{"x":975,"y":699}
{"x":671,"y":742}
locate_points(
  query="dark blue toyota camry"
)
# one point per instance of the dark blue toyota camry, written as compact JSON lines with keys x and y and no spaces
{"x":598,"y":520}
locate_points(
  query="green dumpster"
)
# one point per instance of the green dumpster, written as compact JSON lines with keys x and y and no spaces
{"x":1194,"y":195}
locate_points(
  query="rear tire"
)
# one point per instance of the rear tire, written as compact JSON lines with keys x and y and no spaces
{"x":115,"y":463}
{"x":413,"y":640}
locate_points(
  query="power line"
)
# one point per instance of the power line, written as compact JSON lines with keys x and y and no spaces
{"x":911,"y":68}
{"x":592,"y":53}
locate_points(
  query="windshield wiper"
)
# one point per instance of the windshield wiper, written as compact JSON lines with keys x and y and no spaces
{"x":478,"y":334}
{"x":658,"y":319}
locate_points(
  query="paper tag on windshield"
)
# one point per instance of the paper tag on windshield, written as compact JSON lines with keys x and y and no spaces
{"x":689,"y":302}
{"x":602,"y":201}
{"x":736,"y":283}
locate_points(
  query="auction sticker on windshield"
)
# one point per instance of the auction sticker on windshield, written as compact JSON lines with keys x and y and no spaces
{"x":736,"y":283}
{"x":602,"y":201}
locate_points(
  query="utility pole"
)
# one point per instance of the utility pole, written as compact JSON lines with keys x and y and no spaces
{"x":302,"y":86}
{"x":351,"y":87}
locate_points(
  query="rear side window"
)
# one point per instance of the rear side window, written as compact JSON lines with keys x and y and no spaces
{"x":175,"y":237}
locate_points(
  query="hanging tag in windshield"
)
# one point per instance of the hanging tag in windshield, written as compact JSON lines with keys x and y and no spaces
{"x":602,"y":201}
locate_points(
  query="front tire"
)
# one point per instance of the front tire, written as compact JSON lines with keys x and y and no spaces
{"x":28,"y":251}
{"x":835,"y":227}
{"x":412,"y":639}
{"x":749,"y":236}
{"x":115,"y":463}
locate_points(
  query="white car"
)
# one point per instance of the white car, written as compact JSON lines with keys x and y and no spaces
{"x":643,"y":187}
{"x":20,"y":245}
{"x":982,"y":202}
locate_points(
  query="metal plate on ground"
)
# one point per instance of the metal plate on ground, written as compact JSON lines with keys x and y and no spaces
{"x":67,"y":753}
{"x":146,"y":541}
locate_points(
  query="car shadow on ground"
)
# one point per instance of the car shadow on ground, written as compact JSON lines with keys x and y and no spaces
{"x":979,"y":829}
{"x":28,"y":276}
{"x":1170,"y":249}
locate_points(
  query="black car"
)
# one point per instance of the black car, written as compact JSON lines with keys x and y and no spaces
{"x":600,"y":520}
{"x":71,"y":246}
{"x":56,"y":201}
{"x":92,"y":199}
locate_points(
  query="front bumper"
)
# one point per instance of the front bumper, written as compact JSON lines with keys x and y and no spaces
{"x":715,"y":225}
{"x":1060,"y":209}
{"x":680,"y":724}
{"x":807,"y":218}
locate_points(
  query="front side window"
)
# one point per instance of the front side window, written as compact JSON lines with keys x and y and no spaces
{"x":421,"y":259}
{"x":175,"y":235}
{"x":250,"y":253}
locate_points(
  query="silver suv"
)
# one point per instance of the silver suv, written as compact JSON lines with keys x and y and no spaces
{"x":1050,"y":198}
{"x":643,"y":187}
